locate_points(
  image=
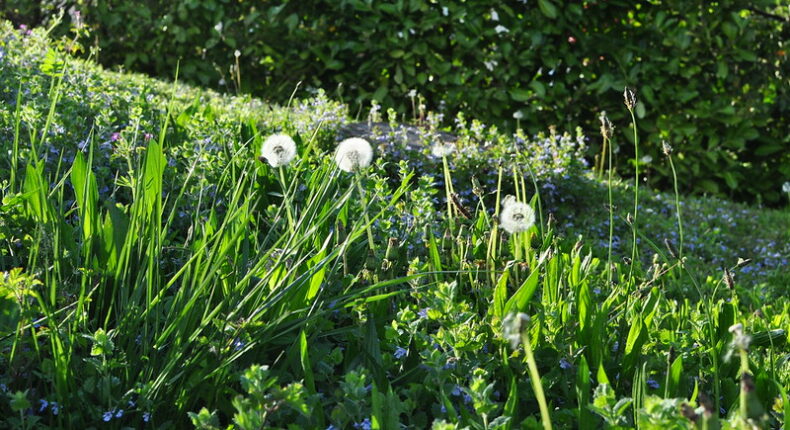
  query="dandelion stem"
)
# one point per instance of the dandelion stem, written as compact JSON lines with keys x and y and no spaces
{"x":537,"y":386}
{"x":291,"y":224}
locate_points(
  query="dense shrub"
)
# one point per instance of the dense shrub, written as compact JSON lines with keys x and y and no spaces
{"x":711,"y":77}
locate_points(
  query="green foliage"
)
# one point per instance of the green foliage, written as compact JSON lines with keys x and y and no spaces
{"x":149,"y":275}
{"x":711,"y":78}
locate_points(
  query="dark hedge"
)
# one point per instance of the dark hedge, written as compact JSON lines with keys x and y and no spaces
{"x":711,"y":77}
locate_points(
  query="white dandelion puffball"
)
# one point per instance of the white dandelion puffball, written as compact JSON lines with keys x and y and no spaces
{"x":279,"y":150}
{"x":353,"y":154}
{"x":440,"y":150}
{"x":516,"y":217}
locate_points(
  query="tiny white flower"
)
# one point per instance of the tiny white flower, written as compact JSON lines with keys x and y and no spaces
{"x":442,"y":149}
{"x":353,"y":154}
{"x":786,"y":187}
{"x":500,"y":29}
{"x":516,"y":216}
{"x":494,"y":15}
{"x":445,"y":11}
{"x":490,"y":64}
{"x":412,"y":93}
{"x":518,"y":114}
{"x":278,"y":150}
{"x":237,"y":53}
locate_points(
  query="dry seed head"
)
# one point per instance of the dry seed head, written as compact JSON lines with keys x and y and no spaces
{"x":516,"y":217}
{"x":353,"y":154}
{"x":278,"y":150}
{"x":607,"y":128}
{"x":630,"y":98}
{"x":666,"y":147}
{"x":728,"y":280}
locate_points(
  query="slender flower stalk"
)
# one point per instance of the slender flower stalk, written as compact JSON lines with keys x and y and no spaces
{"x":515,"y":329}
{"x":630,"y":102}
{"x":607,"y":131}
{"x":279,"y":150}
{"x":353,"y":155}
{"x":668,"y":152}
{"x":449,"y":191}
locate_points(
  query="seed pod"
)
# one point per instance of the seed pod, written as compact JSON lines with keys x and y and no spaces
{"x":728,"y":279}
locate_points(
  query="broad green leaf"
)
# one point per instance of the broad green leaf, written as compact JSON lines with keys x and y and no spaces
{"x":548,"y":8}
{"x":520,"y":299}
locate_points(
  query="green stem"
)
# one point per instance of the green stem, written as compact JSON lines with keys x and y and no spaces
{"x":291,"y":223}
{"x":371,"y":243}
{"x":634,"y":253}
{"x":448,"y":189}
{"x":611,"y":219}
{"x":677,"y":209}
{"x":537,"y":386}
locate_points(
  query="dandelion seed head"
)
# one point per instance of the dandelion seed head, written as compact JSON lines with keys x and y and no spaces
{"x":278,"y":150}
{"x":440,"y":150}
{"x":353,"y":154}
{"x":516,"y":217}
{"x":512,"y":327}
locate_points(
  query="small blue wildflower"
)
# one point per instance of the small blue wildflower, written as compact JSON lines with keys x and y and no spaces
{"x":444,"y":409}
{"x":467,"y":398}
{"x":146,"y":417}
{"x":238,"y":344}
{"x":364,"y":425}
{"x":4,"y":387}
{"x":55,"y":408}
{"x":423,"y":313}
{"x":564,"y":364}
{"x":652,"y":383}
{"x":331,"y":427}
{"x":400,"y":353}
{"x":119,"y":413}
{"x":107,"y":416}
{"x":456,"y":391}
{"x":43,"y":405}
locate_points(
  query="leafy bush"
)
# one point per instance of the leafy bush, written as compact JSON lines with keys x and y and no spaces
{"x":711,"y":78}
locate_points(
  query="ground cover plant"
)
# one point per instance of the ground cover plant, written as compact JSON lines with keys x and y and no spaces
{"x":172,"y":257}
